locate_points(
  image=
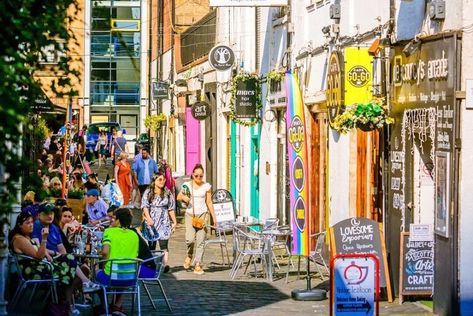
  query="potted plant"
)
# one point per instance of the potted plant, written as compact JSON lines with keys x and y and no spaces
{"x":75,"y":200}
{"x":365,"y":116}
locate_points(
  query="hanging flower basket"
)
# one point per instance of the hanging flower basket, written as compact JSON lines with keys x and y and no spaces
{"x":153,"y":122}
{"x":365,"y":116}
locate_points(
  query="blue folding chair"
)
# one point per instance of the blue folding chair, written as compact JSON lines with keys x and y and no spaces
{"x":158,"y":258}
{"x":123,"y":280}
{"x":25,"y":282}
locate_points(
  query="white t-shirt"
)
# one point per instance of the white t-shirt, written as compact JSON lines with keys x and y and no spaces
{"x":198,"y":195}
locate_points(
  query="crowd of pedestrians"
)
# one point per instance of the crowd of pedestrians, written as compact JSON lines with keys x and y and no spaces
{"x":51,"y":230}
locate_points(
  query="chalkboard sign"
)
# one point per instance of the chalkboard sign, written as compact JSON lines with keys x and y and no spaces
{"x":361,"y":235}
{"x":417,"y":267}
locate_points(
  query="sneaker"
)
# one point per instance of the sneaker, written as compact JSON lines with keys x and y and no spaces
{"x":198,"y":269}
{"x":90,"y":287}
{"x":187,"y":263}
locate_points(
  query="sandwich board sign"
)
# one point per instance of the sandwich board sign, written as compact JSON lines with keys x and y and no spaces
{"x":354,"y":287}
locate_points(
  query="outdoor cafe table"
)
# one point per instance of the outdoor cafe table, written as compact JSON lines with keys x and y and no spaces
{"x":92,"y":258}
{"x":269,"y":236}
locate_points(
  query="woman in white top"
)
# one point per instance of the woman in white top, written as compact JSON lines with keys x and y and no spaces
{"x":197,"y":194}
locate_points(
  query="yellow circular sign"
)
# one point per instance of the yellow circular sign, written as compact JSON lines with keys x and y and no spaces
{"x":335,"y":90}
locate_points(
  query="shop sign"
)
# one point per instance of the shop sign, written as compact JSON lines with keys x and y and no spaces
{"x":201,"y":110}
{"x":298,"y":167}
{"x":223,"y":205}
{"x":361,"y":235}
{"x":246,"y":99}
{"x":247,"y":3}
{"x":416,"y":266}
{"x":335,"y":86}
{"x":160,"y":90}
{"x":221,"y":58}
{"x":358,"y":75}
{"x":355,"y":285}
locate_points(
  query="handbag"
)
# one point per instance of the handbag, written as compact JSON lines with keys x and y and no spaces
{"x":197,"y":221}
{"x":149,"y":232}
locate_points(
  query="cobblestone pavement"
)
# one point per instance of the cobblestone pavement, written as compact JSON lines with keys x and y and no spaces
{"x":214,"y":293}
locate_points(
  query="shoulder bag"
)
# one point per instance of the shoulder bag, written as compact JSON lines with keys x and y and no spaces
{"x":197,"y":221}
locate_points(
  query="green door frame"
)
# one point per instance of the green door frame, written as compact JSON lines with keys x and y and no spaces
{"x":233,"y":152}
{"x":254,"y":179}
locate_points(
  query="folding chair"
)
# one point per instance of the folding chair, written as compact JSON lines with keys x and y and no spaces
{"x":221,"y":240}
{"x":248,"y":244}
{"x":123,"y":280}
{"x":158,"y":258}
{"x":24,"y":282}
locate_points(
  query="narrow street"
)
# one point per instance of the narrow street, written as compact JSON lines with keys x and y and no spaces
{"x":214,"y":293}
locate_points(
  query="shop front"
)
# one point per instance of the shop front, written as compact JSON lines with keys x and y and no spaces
{"x":422,"y":163}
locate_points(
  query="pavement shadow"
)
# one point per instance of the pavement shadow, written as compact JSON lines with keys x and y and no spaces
{"x":202,"y":297}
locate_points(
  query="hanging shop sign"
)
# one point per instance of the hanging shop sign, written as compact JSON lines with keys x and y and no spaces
{"x":160,"y":90}
{"x":221,"y":58}
{"x":362,"y":235}
{"x":248,"y":3}
{"x":246,"y":98}
{"x":201,"y":110}
{"x":41,"y":104}
{"x":358,"y":75}
{"x":335,"y":86}
{"x":298,"y":165}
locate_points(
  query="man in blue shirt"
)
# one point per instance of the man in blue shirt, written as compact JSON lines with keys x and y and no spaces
{"x":54,"y":245}
{"x":144,"y":169}
{"x":96,"y":208}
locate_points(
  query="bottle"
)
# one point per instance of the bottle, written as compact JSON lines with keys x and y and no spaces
{"x":79,"y":244}
{"x":186,"y":191}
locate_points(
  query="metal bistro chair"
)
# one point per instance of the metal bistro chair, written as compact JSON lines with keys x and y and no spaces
{"x":158,"y":258}
{"x":123,"y":280}
{"x":248,"y":244}
{"x":221,"y":240}
{"x":316,"y":255}
{"x":24,"y":282}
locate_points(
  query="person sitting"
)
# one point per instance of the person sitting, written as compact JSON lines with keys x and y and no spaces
{"x":96,"y":208}
{"x":119,"y":241}
{"x":68,"y":224}
{"x":54,"y":244}
{"x":64,"y":266}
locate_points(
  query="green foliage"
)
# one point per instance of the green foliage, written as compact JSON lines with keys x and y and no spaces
{"x":235,"y":81}
{"x":365,"y":116}
{"x":153,"y":122}
{"x":31,"y":30}
{"x":75,"y":194}
{"x":55,"y":192}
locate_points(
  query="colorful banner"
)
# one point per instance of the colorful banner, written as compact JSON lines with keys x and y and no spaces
{"x":358,"y":75}
{"x":298,"y":165}
{"x":67,"y":124}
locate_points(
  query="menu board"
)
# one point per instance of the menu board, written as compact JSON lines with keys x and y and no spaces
{"x":417,"y":266}
{"x":361,"y":235}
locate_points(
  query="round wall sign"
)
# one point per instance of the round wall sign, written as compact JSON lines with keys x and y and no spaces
{"x":201,"y":110}
{"x":221,"y":58}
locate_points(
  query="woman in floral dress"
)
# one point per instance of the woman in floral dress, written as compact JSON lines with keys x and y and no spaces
{"x":158,"y":205}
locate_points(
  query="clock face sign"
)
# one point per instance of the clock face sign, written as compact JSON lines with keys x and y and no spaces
{"x":221,"y":58}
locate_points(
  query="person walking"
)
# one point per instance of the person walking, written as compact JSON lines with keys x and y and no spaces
{"x":102,"y":145}
{"x":144,"y":169}
{"x":158,"y":206}
{"x":119,"y":145}
{"x":123,"y":177}
{"x":197,"y":194}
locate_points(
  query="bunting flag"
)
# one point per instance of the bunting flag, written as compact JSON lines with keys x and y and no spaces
{"x":298,"y":165}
